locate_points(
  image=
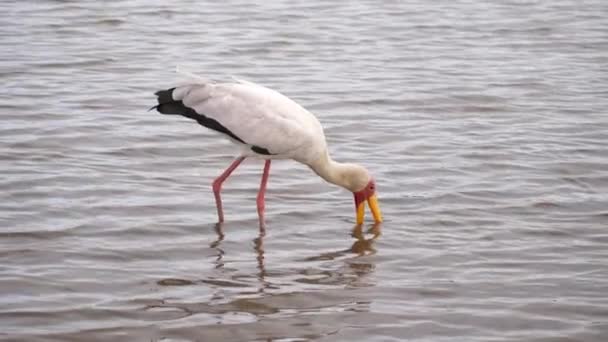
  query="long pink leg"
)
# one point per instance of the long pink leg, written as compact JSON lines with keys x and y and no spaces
{"x":217,"y":186}
{"x":262,"y":192}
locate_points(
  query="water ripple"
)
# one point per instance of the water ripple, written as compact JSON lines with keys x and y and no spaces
{"x":483,"y":124}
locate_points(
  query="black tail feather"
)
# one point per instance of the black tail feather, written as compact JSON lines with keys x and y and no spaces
{"x":165,"y":96}
{"x":167,"y":105}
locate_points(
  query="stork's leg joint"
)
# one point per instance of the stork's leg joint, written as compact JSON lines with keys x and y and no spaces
{"x":217,"y":186}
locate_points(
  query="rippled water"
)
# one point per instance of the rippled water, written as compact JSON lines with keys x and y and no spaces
{"x":484,"y":124}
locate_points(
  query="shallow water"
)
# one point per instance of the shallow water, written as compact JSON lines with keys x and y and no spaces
{"x":484,"y":124}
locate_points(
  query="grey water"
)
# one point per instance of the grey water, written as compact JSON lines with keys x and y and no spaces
{"x":484,"y":123}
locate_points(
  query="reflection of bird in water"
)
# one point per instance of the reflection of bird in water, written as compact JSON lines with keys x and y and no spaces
{"x":267,"y":125}
{"x":262,"y":293}
{"x":365,"y":246}
{"x":215,"y":245}
{"x":258,"y":247}
{"x":350,"y":271}
{"x":362,"y":246}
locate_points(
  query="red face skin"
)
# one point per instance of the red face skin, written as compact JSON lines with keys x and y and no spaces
{"x":367,"y":192}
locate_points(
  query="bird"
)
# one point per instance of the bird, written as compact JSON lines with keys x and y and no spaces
{"x":265,"y":124}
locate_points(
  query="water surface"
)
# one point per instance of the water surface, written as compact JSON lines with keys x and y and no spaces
{"x":484,"y":124}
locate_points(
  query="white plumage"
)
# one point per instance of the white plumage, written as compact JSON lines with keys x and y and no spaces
{"x":259,"y":116}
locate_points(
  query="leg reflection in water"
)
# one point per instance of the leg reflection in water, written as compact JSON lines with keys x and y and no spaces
{"x":350,"y":270}
{"x":216,"y":245}
{"x":258,"y":248}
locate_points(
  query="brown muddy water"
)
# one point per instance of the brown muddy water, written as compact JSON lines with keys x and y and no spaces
{"x":484,"y":123}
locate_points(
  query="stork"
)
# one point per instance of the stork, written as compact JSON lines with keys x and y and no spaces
{"x":266,"y":124}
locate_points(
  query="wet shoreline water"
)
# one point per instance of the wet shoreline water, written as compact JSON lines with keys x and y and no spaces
{"x":484,"y":126}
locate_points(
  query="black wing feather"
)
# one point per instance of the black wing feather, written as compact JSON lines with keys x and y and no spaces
{"x":167,"y":105}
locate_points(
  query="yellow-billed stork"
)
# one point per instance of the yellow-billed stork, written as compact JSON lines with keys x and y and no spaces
{"x":266,"y":124}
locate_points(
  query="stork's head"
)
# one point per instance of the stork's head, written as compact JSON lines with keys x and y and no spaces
{"x":354,"y":178}
{"x":367,"y":194}
{"x":357,"y":179}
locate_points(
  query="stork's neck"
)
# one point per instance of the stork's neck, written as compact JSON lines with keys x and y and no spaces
{"x":352,"y":177}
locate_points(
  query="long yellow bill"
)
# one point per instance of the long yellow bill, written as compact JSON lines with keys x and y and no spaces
{"x":372,"y":201}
